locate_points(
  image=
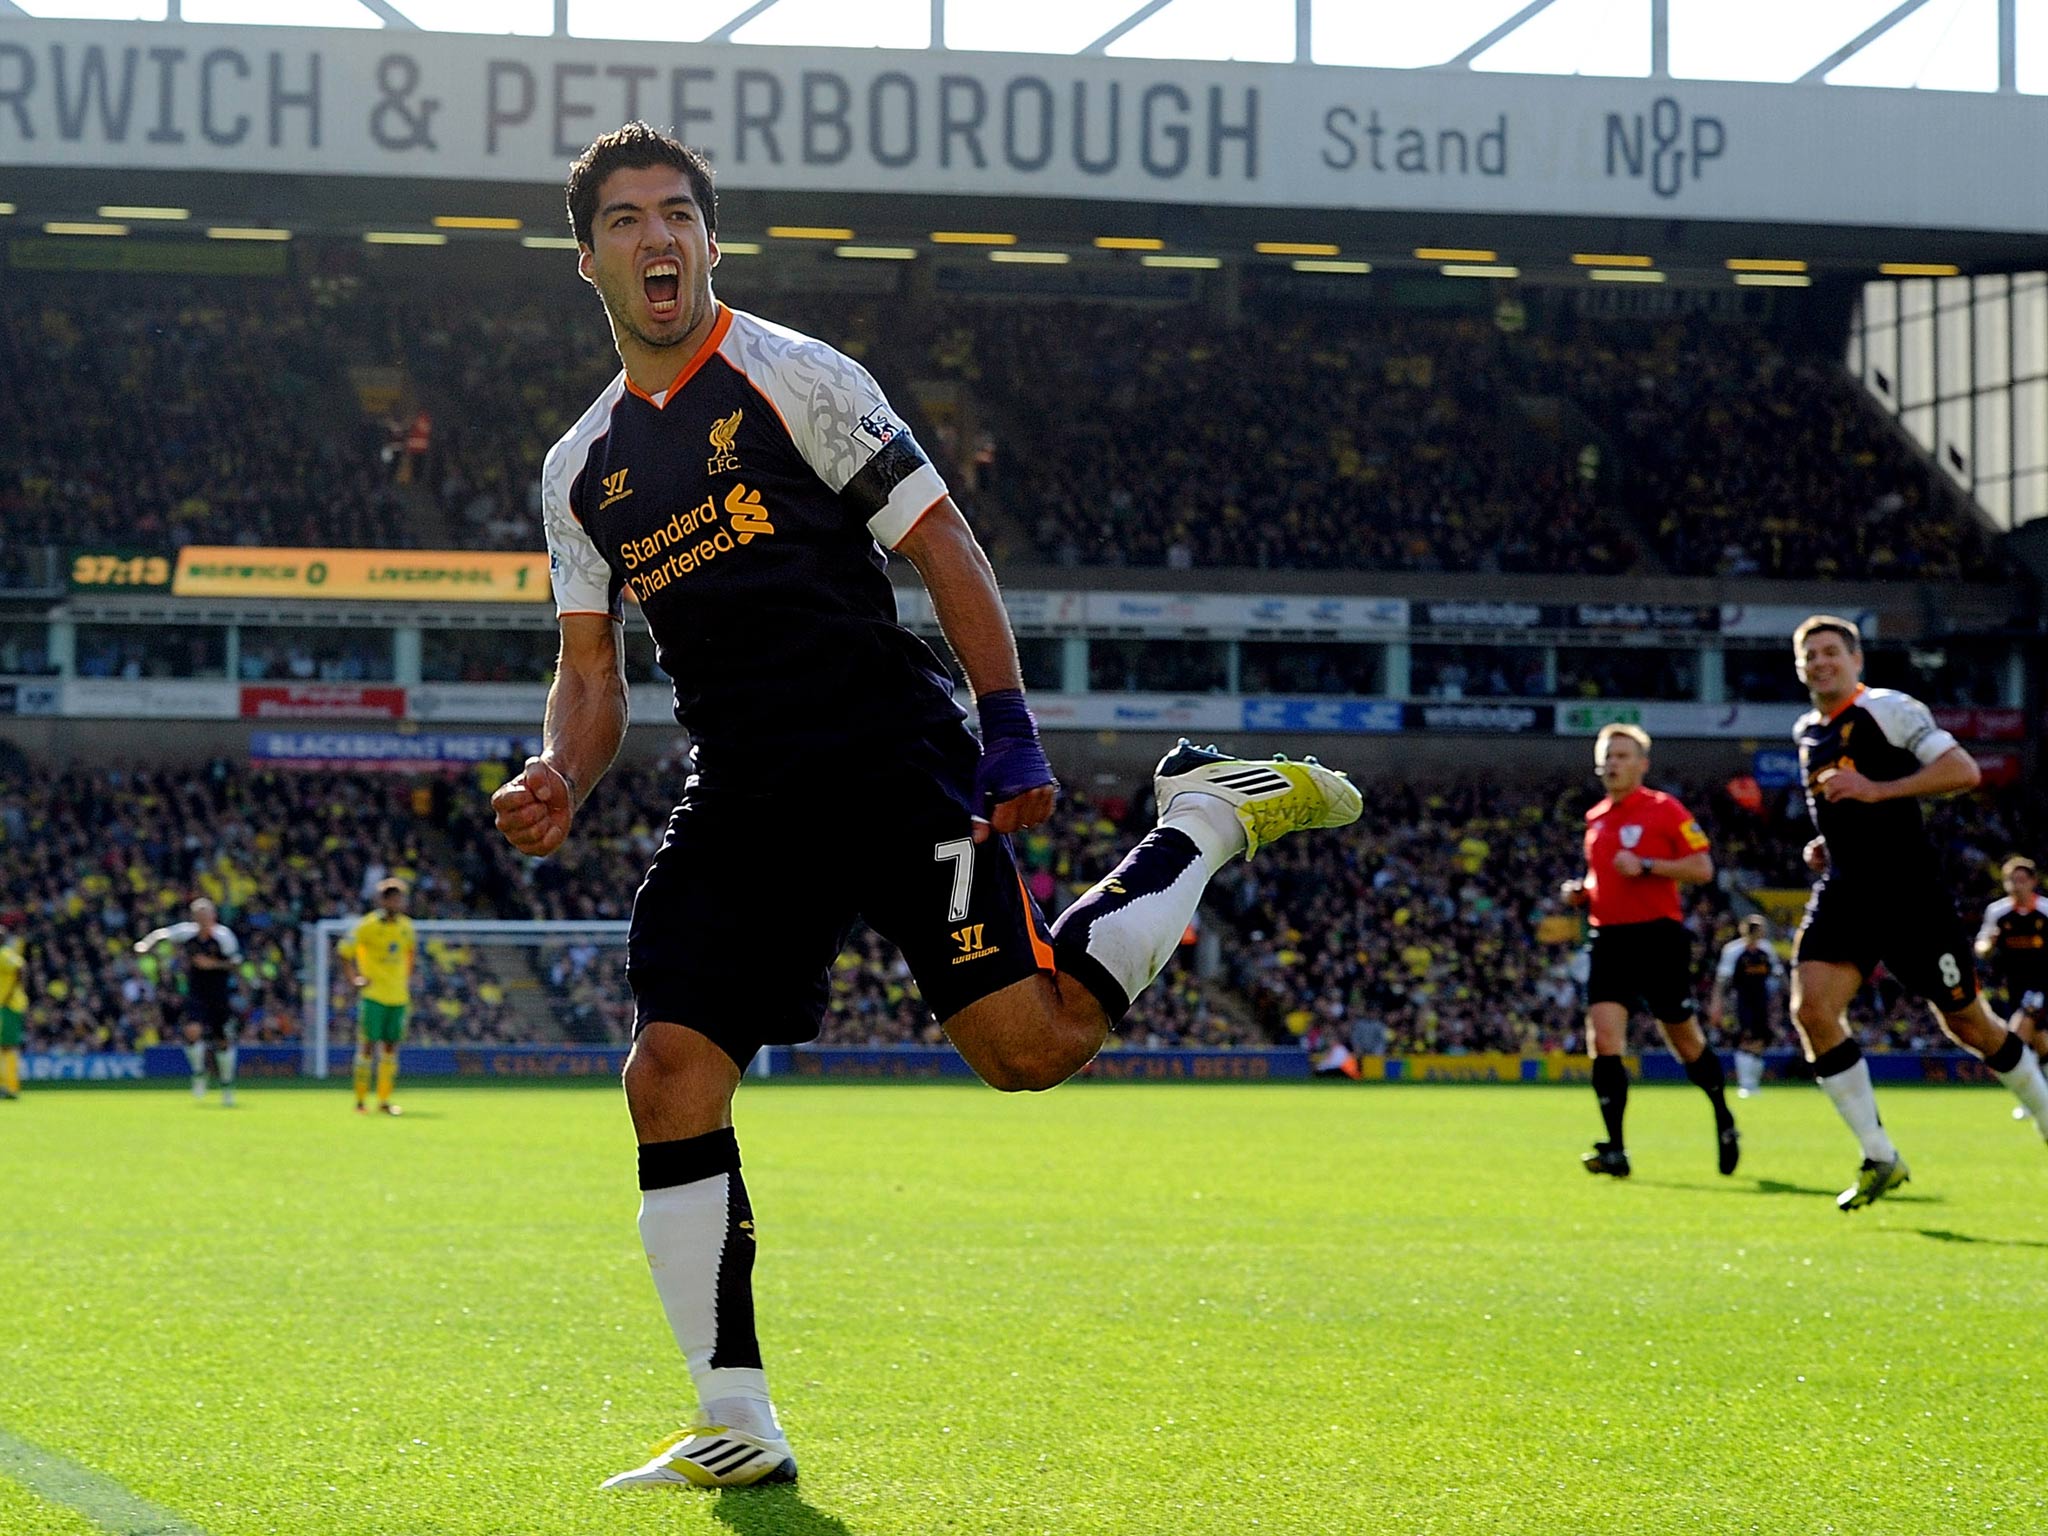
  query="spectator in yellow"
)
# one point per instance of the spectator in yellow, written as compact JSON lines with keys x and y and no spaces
{"x":13,"y":1012}
{"x":380,"y":952}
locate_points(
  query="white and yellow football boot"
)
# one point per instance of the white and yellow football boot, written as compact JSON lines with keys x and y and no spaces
{"x":1270,"y":798}
{"x":711,"y":1456}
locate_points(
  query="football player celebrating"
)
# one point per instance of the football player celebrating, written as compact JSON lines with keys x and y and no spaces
{"x":1641,"y":845}
{"x":743,"y":481}
{"x":211,"y":954}
{"x":1868,"y":757}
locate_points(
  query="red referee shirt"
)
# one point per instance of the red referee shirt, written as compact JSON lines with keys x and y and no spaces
{"x":1651,"y":825}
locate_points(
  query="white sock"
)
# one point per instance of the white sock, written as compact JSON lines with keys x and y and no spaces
{"x":195,"y":1057}
{"x":1856,"y":1103}
{"x":2026,"y":1084}
{"x":224,"y":1063}
{"x":684,"y":1229}
{"x":1211,"y":822}
{"x":1749,"y":1070}
{"x":1120,"y":934}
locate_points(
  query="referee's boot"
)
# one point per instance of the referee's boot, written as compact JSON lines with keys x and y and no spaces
{"x":712,"y":1456}
{"x":1606,"y":1158}
{"x":1874,"y":1180}
{"x":1271,"y":799}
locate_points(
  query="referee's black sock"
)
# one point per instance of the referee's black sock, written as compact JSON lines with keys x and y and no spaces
{"x":1610,"y":1087}
{"x":1705,"y":1071}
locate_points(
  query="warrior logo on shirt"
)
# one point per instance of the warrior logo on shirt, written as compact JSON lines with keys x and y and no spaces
{"x":723,"y":460}
{"x":614,"y":488}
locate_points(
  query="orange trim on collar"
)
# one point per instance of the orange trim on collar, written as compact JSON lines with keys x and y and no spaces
{"x":1837,"y":710}
{"x":703,"y":355}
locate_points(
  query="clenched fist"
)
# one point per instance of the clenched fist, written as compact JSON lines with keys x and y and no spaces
{"x":534,"y":808}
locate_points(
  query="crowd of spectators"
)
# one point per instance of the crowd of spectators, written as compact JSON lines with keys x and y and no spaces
{"x":138,"y":414}
{"x":1740,"y":458}
{"x":1431,"y":925}
{"x":1110,"y":434}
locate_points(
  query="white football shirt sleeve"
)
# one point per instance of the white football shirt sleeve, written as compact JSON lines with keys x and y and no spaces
{"x":1992,"y":913}
{"x":1908,"y":723}
{"x":841,"y":423}
{"x":581,"y":580}
{"x":1725,"y":970}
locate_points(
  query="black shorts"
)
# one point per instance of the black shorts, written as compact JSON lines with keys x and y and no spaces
{"x":1643,"y":966}
{"x":1912,"y":929}
{"x":216,"y":1020}
{"x":1753,"y":1021}
{"x":751,"y":897}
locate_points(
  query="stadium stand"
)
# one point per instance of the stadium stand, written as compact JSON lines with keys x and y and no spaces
{"x":1430,"y":926}
{"x":1290,"y":439}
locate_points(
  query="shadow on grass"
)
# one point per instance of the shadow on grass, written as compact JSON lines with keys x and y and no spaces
{"x":1941,"y":1235}
{"x":1778,"y":1187}
{"x":778,"y":1511}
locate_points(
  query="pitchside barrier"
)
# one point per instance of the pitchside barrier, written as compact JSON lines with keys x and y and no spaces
{"x":906,"y":1063}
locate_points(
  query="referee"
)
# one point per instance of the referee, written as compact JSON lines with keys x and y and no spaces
{"x":1641,"y":845}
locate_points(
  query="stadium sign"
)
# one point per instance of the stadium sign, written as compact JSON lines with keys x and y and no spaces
{"x":441,"y":575}
{"x":389,"y":751}
{"x":274,"y":100}
{"x":38,"y":698}
{"x":321,"y":701}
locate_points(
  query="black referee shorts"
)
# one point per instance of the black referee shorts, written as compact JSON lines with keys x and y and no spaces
{"x":1645,"y":967}
{"x":1912,"y":929}
{"x":752,"y":895}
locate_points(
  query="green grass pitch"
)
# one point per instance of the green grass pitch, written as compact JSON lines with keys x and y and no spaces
{"x":1130,"y":1309}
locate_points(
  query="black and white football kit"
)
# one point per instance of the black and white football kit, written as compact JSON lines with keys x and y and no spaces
{"x":1750,"y":975}
{"x":1881,"y":898}
{"x":746,"y":508}
{"x":2018,"y":943}
{"x":209,"y":993}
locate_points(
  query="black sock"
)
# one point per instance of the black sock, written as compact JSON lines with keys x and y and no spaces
{"x":2008,"y":1055}
{"x":1705,"y":1071}
{"x":1610,"y":1087}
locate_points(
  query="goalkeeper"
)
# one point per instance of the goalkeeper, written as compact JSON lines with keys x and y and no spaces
{"x":380,"y":951}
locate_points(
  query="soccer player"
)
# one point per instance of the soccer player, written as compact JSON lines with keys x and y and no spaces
{"x":211,"y":954}
{"x":1750,"y":972}
{"x":13,"y":1014}
{"x":2014,"y":939}
{"x":380,"y":953}
{"x":1868,"y":755}
{"x":743,"y":481}
{"x":1641,"y":845}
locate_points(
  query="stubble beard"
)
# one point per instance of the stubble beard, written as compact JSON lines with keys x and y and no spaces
{"x":622,"y":319}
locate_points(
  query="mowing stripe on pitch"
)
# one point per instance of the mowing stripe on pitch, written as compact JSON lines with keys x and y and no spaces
{"x":92,"y":1494}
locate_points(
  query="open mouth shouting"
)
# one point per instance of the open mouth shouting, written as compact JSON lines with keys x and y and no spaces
{"x":663,"y":283}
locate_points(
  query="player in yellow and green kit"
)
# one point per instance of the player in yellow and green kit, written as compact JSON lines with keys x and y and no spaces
{"x":380,"y":958}
{"x":13,"y":1011}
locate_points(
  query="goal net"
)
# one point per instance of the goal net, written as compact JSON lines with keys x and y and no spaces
{"x":480,"y":982}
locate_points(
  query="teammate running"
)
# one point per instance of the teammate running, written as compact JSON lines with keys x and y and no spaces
{"x":211,"y":954}
{"x":1750,"y":972}
{"x":380,"y":950}
{"x":1867,"y":756}
{"x":742,"y":481}
{"x":1641,"y":845}
{"x":2014,"y":940}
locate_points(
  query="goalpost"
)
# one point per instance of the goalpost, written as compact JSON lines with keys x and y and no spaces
{"x":535,"y":949}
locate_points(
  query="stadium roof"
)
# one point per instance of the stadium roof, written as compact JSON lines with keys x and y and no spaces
{"x":1950,"y":45}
